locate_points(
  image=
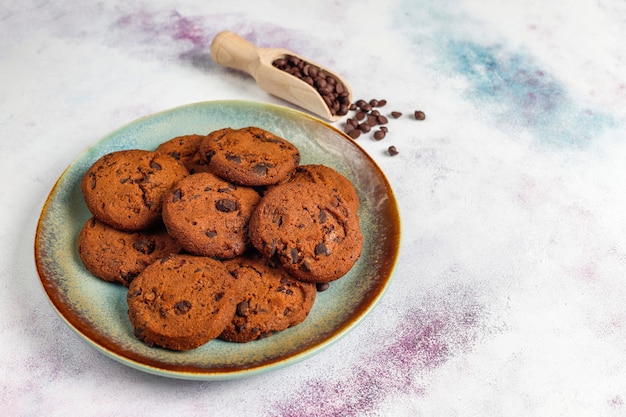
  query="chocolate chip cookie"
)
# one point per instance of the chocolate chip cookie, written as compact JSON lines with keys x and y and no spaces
{"x":249,"y":156}
{"x":182,"y":302}
{"x":209,"y":216}
{"x":117,"y":256}
{"x":124,"y":189}
{"x":310,"y":230}
{"x":270,"y":299}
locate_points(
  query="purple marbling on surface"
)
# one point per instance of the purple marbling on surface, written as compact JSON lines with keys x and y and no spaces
{"x":425,"y":338}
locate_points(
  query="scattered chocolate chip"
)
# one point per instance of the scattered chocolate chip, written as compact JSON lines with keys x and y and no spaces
{"x":419,"y":115}
{"x":392,"y":150}
{"x":226,"y":205}
{"x":354,"y":134}
{"x":396,"y":114}
{"x":379,"y":134}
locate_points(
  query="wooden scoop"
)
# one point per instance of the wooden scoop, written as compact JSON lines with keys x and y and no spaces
{"x":231,"y":50}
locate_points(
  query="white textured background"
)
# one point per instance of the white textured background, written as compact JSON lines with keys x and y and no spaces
{"x":508,"y":297}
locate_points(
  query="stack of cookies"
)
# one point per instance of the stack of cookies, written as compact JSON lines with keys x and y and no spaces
{"x":218,"y":236}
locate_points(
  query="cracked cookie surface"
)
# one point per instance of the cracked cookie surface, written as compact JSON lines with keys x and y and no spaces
{"x":125,"y":189}
{"x":181,"y":302}
{"x":249,"y":156}
{"x":209,"y":216}
{"x":309,"y":229}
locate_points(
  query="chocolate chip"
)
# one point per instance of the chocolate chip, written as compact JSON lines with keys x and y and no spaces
{"x":322,"y":286}
{"x":396,"y":114}
{"x":175,"y":155}
{"x":392,"y":150}
{"x":226,"y":206}
{"x":243,"y":309}
{"x":293,"y":253}
{"x":260,"y":169}
{"x":284,"y":290}
{"x":210,"y":233}
{"x":419,"y":115}
{"x":379,"y":134}
{"x":234,"y":158}
{"x":354,"y":134}
{"x":209,"y":155}
{"x":155,"y":165}
{"x":321,"y":249}
{"x":182,"y":307}
{"x":145,"y":247}
{"x":176,"y":195}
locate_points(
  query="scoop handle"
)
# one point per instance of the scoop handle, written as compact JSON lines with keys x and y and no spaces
{"x":231,"y":50}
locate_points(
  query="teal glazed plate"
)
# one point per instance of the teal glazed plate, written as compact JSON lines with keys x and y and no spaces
{"x":97,"y":310}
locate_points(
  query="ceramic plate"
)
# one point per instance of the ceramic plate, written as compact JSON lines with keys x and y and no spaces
{"x":97,"y":310}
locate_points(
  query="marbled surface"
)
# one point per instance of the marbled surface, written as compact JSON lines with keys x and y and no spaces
{"x":508,"y":297}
